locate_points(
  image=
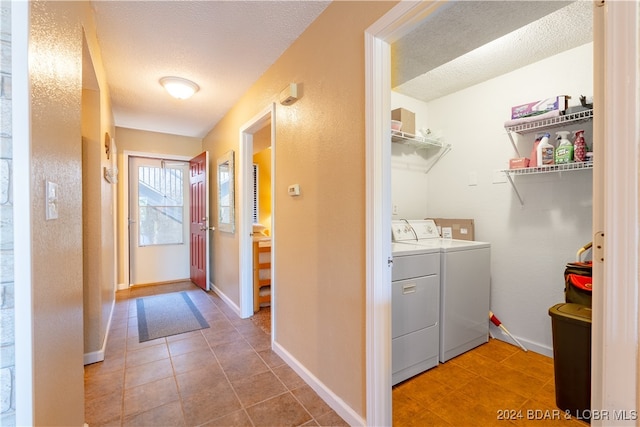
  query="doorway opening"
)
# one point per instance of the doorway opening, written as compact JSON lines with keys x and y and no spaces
{"x":256,"y":211}
{"x":379,"y":37}
{"x":153,"y":163}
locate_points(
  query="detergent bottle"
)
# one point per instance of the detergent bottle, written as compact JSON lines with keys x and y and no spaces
{"x":564,"y":152}
{"x":545,"y":151}
{"x":533,"y":158}
{"x":579,"y":147}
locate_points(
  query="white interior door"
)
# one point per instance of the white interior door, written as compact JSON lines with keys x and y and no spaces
{"x":158,"y":220}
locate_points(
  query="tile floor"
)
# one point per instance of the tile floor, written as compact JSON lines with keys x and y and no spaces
{"x":475,"y":388}
{"x":225,"y":375}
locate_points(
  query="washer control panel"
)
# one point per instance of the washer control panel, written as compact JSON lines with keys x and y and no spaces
{"x":414,"y":230}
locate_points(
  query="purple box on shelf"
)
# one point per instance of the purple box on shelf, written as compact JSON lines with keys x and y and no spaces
{"x":540,"y":107}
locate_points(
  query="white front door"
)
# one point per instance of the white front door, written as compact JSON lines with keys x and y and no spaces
{"x":158,"y":220}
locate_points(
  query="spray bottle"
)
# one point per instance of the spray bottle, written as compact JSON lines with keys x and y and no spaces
{"x":564,"y":152}
{"x":545,"y":151}
{"x":579,"y":147}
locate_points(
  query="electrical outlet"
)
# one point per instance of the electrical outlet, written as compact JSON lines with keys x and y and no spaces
{"x":395,"y":210}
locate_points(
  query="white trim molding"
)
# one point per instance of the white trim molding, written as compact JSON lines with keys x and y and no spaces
{"x":617,"y":125}
{"x":98,"y":356}
{"x":21,"y":131}
{"x":244,"y":204}
{"x":378,"y":37}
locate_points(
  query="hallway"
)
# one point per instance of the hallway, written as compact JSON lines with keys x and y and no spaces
{"x":225,"y":375}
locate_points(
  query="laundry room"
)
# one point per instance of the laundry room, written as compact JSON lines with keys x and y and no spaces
{"x":456,"y":83}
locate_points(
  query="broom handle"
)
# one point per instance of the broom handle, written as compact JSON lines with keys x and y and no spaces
{"x":512,"y":337}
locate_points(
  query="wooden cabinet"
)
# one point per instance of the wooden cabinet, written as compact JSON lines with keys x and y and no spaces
{"x":261,"y":273}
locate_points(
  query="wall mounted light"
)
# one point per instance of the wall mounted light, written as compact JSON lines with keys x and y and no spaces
{"x":178,"y":87}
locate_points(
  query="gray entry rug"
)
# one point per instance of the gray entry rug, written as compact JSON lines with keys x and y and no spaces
{"x":167,"y":314}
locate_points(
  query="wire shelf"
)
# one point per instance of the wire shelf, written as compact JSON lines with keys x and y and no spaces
{"x":550,"y":168}
{"x":415,"y":140}
{"x":550,"y":122}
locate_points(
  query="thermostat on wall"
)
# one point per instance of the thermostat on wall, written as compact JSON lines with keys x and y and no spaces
{"x":294,"y":190}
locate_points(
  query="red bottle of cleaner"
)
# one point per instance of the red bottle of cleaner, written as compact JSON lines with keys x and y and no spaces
{"x":579,"y":147}
{"x":533,"y":158}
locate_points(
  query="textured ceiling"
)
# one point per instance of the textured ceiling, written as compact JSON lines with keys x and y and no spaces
{"x":223,"y":46}
{"x":469,"y":42}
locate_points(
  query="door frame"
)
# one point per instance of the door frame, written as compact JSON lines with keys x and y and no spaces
{"x":245,"y":217}
{"x":614,"y":351}
{"x":124,"y":223}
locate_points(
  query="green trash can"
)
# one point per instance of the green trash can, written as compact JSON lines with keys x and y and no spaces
{"x":571,"y":328}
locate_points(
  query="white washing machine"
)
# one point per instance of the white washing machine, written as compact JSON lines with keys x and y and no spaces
{"x":465,"y":279}
{"x":415,"y":293}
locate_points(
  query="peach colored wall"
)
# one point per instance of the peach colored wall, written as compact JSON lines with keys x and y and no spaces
{"x":55,"y":58}
{"x":145,"y":142}
{"x":319,"y":236}
{"x":99,"y":196}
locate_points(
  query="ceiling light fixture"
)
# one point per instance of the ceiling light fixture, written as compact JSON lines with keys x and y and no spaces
{"x":178,"y":87}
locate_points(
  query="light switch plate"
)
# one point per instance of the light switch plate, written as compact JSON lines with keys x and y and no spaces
{"x":473,"y":178}
{"x":51,"y":206}
{"x":294,"y":190}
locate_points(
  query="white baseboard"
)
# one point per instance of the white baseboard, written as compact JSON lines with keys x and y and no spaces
{"x":98,"y":356}
{"x":226,"y":299}
{"x":330,"y":398}
{"x":94,"y":356}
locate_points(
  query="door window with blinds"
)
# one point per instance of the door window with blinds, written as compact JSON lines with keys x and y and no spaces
{"x":161,"y":204}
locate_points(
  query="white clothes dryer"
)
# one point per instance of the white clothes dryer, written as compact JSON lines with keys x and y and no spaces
{"x":415,"y":303}
{"x":465,"y":283}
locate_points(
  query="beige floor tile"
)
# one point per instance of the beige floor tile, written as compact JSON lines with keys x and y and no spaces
{"x":288,"y":376}
{"x":243,"y":365}
{"x":257,"y":388}
{"x":282,"y":410}
{"x":188,"y":345}
{"x":196,"y":360}
{"x":105,"y":409}
{"x":311,"y":401}
{"x":234,"y":419}
{"x":149,"y":372}
{"x":149,"y":396}
{"x":208,"y":404}
{"x":166,"y":415}
{"x":147,"y":354}
{"x":331,"y":419}
{"x":197,"y":380}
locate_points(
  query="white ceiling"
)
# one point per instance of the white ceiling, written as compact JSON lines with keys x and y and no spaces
{"x":223,"y":46}
{"x":468,"y":42}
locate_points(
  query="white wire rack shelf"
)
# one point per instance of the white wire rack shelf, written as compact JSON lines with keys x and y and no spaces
{"x":421,"y":142}
{"x":564,"y":167}
{"x":542,"y":124}
{"x":550,"y":122}
{"x":415,"y":140}
{"x":550,"y":168}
